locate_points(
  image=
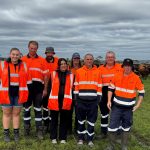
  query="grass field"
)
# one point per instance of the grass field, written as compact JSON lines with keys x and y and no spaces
{"x":139,"y":140}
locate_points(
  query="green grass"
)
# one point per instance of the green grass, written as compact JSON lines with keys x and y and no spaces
{"x":139,"y":140}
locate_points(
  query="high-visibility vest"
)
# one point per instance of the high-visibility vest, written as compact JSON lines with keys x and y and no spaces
{"x":108,"y":73}
{"x":17,"y":78}
{"x":37,"y":67}
{"x":126,"y":88}
{"x":88,"y":83}
{"x":53,"y":103}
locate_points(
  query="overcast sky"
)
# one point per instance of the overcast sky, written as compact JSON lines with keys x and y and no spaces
{"x":83,"y":26}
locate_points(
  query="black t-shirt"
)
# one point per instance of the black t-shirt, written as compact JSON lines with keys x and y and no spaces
{"x":62,"y":81}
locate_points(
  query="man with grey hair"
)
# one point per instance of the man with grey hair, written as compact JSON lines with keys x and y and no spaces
{"x":87,"y":94}
{"x":107,"y":71}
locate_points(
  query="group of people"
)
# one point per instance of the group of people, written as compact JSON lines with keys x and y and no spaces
{"x":56,"y":89}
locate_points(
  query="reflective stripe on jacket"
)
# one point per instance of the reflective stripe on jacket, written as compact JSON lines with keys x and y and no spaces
{"x":53,"y":103}
{"x":37,"y":67}
{"x":108,"y":73}
{"x":18,"y":77}
{"x":126,"y":88}
{"x":88,"y":84}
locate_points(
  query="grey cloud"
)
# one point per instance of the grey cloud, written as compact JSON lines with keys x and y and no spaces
{"x":76,"y":26}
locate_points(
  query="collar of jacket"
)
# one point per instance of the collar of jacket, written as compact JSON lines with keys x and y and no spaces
{"x":129,"y":75}
{"x":93,"y":67}
{"x":106,"y":64}
{"x":8,"y":60}
{"x":36,"y":56}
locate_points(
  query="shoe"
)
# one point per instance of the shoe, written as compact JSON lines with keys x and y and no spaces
{"x":27,"y":129}
{"x":40,"y":133}
{"x":6,"y":136}
{"x":45,"y":130}
{"x":90,"y":143}
{"x":124,"y":140}
{"x":16,"y":135}
{"x":80,"y":142}
{"x":63,"y":141}
{"x":112,"y":140}
{"x":54,"y":141}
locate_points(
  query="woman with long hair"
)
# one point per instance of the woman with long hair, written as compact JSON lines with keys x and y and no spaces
{"x":75,"y":65}
{"x":60,"y":101}
{"x":13,"y":91}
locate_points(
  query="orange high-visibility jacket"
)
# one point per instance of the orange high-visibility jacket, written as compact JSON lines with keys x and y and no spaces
{"x":88,"y":83}
{"x":73,"y":70}
{"x":37,"y":67}
{"x":53,"y":98}
{"x":108,"y":73}
{"x":18,"y":77}
{"x":52,"y":66}
{"x":126,"y":88}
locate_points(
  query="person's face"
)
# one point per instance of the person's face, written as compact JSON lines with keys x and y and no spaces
{"x":15,"y":56}
{"x":76,"y":60}
{"x":110,"y":58}
{"x":88,"y":61}
{"x":127,"y":69}
{"x":32,"y":49}
{"x":49,"y":55}
{"x":63,"y":66}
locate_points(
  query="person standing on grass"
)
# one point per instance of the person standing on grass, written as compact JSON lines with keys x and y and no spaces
{"x":39,"y":76}
{"x":124,"y":84}
{"x":107,"y":71}
{"x":88,"y":91}
{"x":60,"y":101}
{"x":13,"y":91}
{"x":75,"y":65}
{"x":52,"y":65}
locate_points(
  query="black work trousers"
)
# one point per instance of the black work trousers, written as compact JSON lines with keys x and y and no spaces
{"x":35,"y":97}
{"x":86,"y":112}
{"x":46,"y":116}
{"x":70,"y":118}
{"x":62,"y":117}
{"x":104,"y":110}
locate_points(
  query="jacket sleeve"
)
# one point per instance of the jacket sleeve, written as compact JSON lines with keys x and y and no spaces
{"x":29,"y":81}
{"x":140,"y":87}
{"x":111,"y":86}
{"x":99,"y":87}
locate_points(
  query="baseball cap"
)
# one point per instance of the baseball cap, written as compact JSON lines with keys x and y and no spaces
{"x":128,"y":62}
{"x":76,"y":55}
{"x":49,"y":50}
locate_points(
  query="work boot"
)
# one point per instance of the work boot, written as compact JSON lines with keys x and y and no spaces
{"x":6,"y":135}
{"x":16,"y":135}
{"x":45,"y":129}
{"x":112,"y":139}
{"x":124,"y":140}
{"x":40,"y":133}
{"x":27,"y":129}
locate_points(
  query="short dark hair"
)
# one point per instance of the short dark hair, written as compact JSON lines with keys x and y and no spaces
{"x":14,"y":49}
{"x":34,"y":43}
